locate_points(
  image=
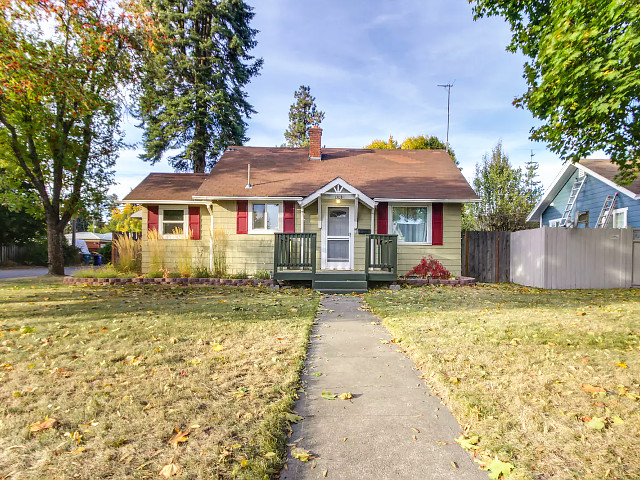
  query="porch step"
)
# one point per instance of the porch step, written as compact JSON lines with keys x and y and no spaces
{"x":340,"y":276}
{"x":340,"y":286}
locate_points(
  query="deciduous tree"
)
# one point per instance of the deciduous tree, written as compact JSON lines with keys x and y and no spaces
{"x":193,"y":98}
{"x":63,"y":66}
{"x":507,"y":194}
{"x":303,"y":114}
{"x":583,"y":72}
{"x":419,"y":142}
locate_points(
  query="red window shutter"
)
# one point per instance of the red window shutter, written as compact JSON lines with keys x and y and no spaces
{"x":242,"y":219}
{"x":194,"y":222}
{"x":289,"y":217}
{"x":152,"y":218}
{"x":383,"y":218}
{"x":436,"y":224}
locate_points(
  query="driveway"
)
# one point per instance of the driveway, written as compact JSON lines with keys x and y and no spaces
{"x":6,"y":273}
{"x":393,"y":428}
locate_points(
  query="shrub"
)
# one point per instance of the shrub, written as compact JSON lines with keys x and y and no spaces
{"x":241,"y":275}
{"x":430,"y":268}
{"x":105,"y":251}
{"x":185,"y":253}
{"x":129,"y":253}
{"x":202,"y":272}
{"x":173,"y":275}
{"x":156,"y":274}
{"x":262,"y":275}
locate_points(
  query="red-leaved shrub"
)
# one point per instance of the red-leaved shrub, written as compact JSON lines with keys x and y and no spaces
{"x":430,"y":268}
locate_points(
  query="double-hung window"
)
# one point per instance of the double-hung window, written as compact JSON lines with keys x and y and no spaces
{"x":555,"y":222}
{"x":173,"y":222}
{"x":412,"y":223}
{"x":619,"y":216}
{"x":266,"y":217}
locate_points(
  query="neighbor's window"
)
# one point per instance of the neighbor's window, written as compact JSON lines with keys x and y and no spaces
{"x":619,"y":218}
{"x":555,"y":222}
{"x":411,"y":224}
{"x":173,"y":222}
{"x":265,"y":217}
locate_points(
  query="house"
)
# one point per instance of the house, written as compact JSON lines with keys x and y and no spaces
{"x":304,"y":214}
{"x":586,"y":193}
{"x":92,"y":241}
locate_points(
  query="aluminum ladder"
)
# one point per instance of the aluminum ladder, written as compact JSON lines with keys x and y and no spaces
{"x":573,"y":196}
{"x":607,"y":209}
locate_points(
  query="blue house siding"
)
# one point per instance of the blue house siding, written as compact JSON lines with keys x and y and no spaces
{"x":591,"y":199}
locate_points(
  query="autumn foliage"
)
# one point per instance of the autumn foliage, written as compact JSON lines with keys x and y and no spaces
{"x":431,"y":268}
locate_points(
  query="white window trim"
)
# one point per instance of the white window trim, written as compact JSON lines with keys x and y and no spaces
{"x":185,"y":221}
{"x":555,"y":222}
{"x":625,"y":211}
{"x":265,"y":231}
{"x":429,"y":207}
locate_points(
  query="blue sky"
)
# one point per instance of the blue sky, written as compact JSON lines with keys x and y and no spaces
{"x":373,"y":67}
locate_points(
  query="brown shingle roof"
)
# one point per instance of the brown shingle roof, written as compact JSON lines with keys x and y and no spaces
{"x":167,"y":186}
{"x":287,"y":172}
{"x":609,"y":170}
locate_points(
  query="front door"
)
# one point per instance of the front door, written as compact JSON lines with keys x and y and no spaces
{"x":338,"y":238}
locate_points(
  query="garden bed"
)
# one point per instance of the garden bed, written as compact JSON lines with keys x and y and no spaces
{"x":420,"y":282}
{"x":238,"y":282}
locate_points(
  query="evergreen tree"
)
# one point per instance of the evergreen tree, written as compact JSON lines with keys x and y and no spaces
{"x":193,"y":98}
{"x":507,"y":194}
{"x":303,"y":114}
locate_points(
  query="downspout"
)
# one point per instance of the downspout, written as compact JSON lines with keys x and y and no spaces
{"x":210,"y":209}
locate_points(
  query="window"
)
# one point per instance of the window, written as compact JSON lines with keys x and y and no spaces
{"x":412,"y":224}
{"x":555,"y":222}
{"x":265,"y":217}
{"x":173,"y":222}
{"x":619,"y":217}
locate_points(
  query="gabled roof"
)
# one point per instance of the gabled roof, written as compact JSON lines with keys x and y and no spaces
{"x":166,"y":188}
{"x":602,"y":169}
{"x":288,"y":172}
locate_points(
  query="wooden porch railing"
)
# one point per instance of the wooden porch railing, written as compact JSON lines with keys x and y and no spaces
{"x":381,"y":255}
{"x":294,"y":251}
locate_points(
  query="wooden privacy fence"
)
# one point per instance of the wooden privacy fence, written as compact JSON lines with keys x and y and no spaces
{"x":13,"y":253}
{"x":560,"y":258}
{"x":485,"y":256}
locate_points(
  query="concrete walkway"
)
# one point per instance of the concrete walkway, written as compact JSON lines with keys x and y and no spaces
{"x":392,"y":427}
{"x":6,"y":273}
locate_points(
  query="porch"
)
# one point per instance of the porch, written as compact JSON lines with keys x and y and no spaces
{"x":296,"y":257}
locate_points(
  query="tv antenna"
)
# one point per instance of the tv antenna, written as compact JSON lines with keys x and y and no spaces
{"x":448,"y":87}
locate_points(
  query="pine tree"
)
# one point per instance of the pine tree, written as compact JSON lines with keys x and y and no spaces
{"x":303,"y":114}
{"x":193,"y":97}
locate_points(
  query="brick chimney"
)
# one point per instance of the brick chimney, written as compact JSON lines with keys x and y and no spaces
{"x":315,"y":143}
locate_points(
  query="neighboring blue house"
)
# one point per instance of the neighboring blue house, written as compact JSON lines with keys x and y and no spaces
{"x":598,"y":184}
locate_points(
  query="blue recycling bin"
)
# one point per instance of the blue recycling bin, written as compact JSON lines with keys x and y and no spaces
{"x":97,"y":260}
{"x":86,"y":258}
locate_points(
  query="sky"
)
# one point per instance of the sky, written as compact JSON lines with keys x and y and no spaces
{"x":374,"y":67}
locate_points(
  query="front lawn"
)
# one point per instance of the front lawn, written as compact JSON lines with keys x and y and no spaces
{"x":122,"y":370}
{"x":548,"y":380}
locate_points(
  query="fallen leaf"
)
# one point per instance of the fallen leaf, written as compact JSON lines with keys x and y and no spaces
{"x":498,"y":468}
{"x":324,"y":473}
{"x":468,"y":443}
{"x":179,"y":437}
{"x":270,"y":455}
{"x":300,"y":454}
{"x":329,"y":395}
{"x":78,"y":450}
{"x":415,"y":430}
{"x":293,"y":418}
{"x":622,"y":365}
{"x":617,"y":420}
{"x":43,"y":425}
{"x":454,"y":465}
{"x":317,"y":374}
{"x":170,"y":470}
{"x":592,"y":388}
{"x":216,"y":348}
{"x":596,"y":423}
{"x":345,"y":396}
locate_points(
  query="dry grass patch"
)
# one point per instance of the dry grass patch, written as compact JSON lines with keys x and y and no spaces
{"x":126,"y":371}
{"x":517,"y":365}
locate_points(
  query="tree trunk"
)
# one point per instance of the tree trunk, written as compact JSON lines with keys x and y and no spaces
{"x":54,"y":246}
{"x":199,"y":155}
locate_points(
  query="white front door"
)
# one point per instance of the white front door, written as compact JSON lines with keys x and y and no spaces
{"x":337,"y":245}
